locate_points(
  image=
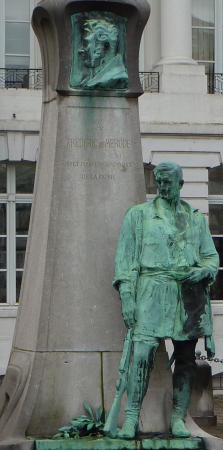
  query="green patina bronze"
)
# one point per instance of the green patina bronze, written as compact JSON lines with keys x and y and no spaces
{"x":98,"y":55}
{"x":118,"y":444}
{"x":165,"y":263}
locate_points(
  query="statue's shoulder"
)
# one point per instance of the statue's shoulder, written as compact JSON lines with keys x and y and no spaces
{"x":191,"y":210}
{"x":137,"y":210}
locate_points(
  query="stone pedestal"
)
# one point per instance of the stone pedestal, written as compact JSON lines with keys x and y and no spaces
{"x":202,"y":402}
{"x":89,"y":172}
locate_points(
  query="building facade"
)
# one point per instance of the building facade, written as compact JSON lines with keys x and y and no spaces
{"x":181,"y":118}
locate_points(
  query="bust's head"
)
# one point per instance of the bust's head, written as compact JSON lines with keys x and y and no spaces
{"x":169,"y":180}
{"x":101,"y":38}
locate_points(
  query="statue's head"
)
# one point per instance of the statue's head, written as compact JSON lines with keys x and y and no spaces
{"x":101,"y":37}
{"x":169,"y":180}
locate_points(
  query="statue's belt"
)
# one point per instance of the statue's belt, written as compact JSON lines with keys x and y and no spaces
{"x":167,"y":275}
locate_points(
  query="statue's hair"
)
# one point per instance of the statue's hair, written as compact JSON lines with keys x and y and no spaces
{"x":109,"y":29}
{"x":168,"y":166}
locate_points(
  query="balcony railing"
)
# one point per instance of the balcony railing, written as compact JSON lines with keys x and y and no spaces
{"x":33,"y":79}
{"x":215,"y":83}
{"x":149,"y":81}
{"x":21,"y":78}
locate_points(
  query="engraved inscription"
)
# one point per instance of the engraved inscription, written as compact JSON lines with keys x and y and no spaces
{"x":97,"y":176}
{"x":97,"y":170}
{"x":123,"y":165}
{"x":94,"y":143}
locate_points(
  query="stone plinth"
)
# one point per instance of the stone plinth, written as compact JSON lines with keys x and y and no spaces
{"x":182,"y":79}
{"x":116,"y":444}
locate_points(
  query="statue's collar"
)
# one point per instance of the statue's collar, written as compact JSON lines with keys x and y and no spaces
{"x":162,"y":207}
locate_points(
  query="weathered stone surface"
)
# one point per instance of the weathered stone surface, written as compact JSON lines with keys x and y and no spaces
{"x":68,"y":379}
{"x":90,"y":170}
{"x":96,"y":158}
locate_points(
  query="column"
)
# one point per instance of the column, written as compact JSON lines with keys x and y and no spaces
{"x":176,"y":32}
{"x":179,"y":73}
{"x":2,"y":33}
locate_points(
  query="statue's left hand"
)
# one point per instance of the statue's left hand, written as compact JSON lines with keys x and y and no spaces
{"x":128,"y":309}
{"x":197,"y":274}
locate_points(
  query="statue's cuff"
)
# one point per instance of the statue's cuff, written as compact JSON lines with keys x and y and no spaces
{"x":125,"y":288}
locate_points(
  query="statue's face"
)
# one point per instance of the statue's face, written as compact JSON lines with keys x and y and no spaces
{"x":169,"y":185}
{"x":100,"y":38}
{"x":97,"y":45}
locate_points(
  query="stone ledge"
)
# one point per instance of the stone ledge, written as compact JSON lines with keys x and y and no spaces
{"x":17,"y":444}
{"x":121,"y":444}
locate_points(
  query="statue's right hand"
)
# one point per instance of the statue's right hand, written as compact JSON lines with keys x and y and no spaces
{"x":128,"y":309}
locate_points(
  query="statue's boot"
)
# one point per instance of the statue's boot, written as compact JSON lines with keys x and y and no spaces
{"x":178,"y":427}
{"x":130,"y":426}
{"x":182,"y":386}
{"x":181,"y":400}
{"x":142,"y":364}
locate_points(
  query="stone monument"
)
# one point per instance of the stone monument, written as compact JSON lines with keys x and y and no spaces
{"x":69,"y":330}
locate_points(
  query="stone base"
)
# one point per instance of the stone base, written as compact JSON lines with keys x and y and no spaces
{"x":182,"y":79}
{"x":17,"y":444}
{"x":206,"y":421}
{"x":121,"y":444}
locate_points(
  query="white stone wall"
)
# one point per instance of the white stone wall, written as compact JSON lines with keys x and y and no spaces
{"x":25,"y":104}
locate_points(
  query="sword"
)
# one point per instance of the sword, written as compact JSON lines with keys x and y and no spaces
{"x":110,"y":427}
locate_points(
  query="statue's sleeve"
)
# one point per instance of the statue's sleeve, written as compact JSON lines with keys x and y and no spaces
{"x":125,"y":253}
{"x":208,"y":255}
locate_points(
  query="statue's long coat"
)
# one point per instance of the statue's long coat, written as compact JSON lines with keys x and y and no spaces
{"x":158,"y":248}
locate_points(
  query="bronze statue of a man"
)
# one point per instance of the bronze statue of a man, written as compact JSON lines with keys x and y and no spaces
{"x":164,"y":265}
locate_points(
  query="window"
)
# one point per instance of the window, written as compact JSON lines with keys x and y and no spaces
{"x":203,"y":33}
{"x":216,"y":223}
{"x":17,"y":34}
{"x":16,"y":43}
{"x":16,"y":187}
{"x":207,"y":39}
